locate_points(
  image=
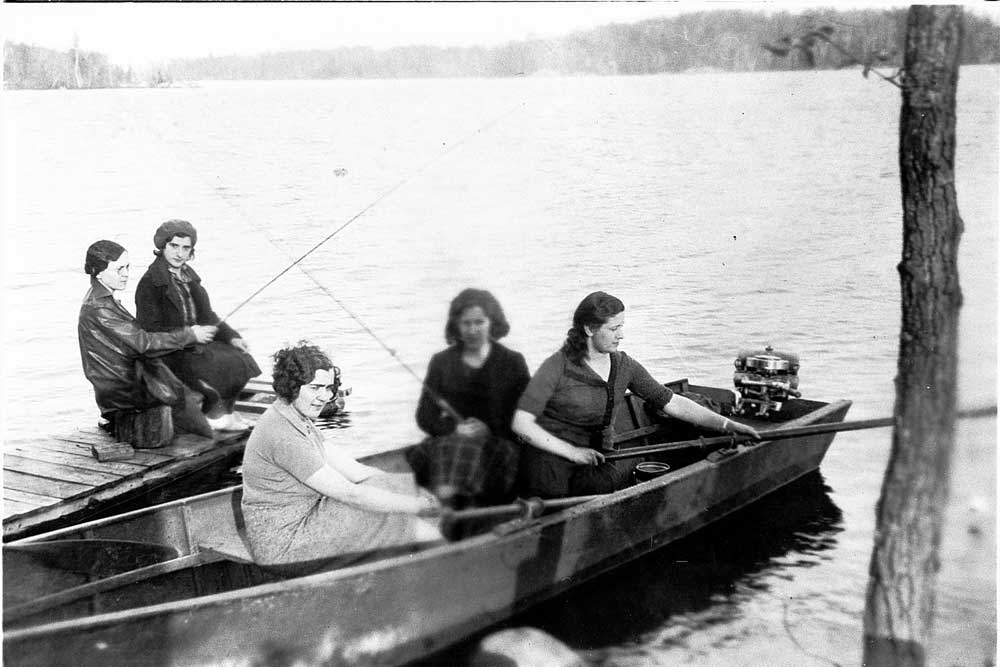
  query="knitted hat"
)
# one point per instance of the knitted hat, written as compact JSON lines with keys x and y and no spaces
{"x":172,"y":228}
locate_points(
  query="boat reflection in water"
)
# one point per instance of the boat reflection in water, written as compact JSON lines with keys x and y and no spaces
{"x":706,"y":579}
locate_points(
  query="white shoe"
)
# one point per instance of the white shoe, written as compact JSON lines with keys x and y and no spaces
{"x":243,"y":421}
{"x":227,"y":422}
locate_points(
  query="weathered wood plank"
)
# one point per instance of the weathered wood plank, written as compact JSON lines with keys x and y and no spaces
{"x":85,"y":437}
{"x":115,"y":451}
{"x":143,"y":458}
{"x":29,"y":498}
{"x":85,"y":461}
{"x":12,"y":462}
{"x":13,"y":507}
{"x":44,"y":486}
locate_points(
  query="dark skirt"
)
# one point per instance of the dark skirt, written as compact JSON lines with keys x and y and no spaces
{"x":546,"y":475}
{"x":217,"y":370}
{"x":481,"y":471}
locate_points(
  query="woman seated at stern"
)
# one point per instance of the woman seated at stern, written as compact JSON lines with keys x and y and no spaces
{"x":567,"y":412}
{"x":472,"y":460}
{"x":170,"y":296}
{"x":122,"y":360}
{"x":305,"y":501}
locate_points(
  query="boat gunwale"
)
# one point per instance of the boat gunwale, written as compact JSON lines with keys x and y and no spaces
{"x":322,"y":579}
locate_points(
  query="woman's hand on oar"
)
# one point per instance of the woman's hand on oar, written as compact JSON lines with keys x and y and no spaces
{"x":739,"y":428}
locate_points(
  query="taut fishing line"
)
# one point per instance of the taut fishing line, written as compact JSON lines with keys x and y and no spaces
{"x":439,"y":400}
{"x":360,"y":213}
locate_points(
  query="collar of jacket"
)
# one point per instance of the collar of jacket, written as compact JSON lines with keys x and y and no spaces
{"x":98,"y":291}
{"x":159,"y":272}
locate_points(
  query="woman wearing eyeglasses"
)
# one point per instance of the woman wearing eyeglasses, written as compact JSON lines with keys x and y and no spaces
{"x":113,"y":348}
{"x":170,"y":296}
{"x":304,"y":501}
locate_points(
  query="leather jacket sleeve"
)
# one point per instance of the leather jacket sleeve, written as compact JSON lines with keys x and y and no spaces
{"x":122,"y":333}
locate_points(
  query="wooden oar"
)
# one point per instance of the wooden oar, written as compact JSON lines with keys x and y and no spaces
{"x":777,"y":434}
{"x":530,"y":507}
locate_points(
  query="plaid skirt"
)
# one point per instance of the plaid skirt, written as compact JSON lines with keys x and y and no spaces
{"x":482,"y":471}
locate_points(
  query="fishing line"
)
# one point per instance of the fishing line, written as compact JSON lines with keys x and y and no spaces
{"x":367,"y":208}
{"x":438,"y":399}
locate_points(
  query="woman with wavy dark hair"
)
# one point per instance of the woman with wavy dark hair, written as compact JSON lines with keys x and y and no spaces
{"x":472,"y":460}
{"x":567,"y":412}
{"x":306,"y":502}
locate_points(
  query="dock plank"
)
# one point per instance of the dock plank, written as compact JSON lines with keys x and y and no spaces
{"x":64,"y":473}
{"x":85,"y":437}
{"x":13,"y":507}
{"x":143,"y":457}
{"x":29,"y":498}
{"x":82,"y":460}
{"x":43,"y":486}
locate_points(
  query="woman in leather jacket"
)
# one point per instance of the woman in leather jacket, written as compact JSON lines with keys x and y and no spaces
{"x":114,"y":349}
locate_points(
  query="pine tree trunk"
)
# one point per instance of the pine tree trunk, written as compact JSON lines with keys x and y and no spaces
{"x":900,"y":600}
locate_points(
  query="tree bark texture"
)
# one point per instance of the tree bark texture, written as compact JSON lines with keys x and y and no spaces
{"x":900,"y":599}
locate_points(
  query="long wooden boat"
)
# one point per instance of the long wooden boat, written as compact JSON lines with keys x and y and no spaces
{"x":174,"y":584}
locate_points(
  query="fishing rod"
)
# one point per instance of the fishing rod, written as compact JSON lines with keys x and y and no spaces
{"x":370,"y":206}
{"x":732,"y":440}
{"x":437,"y":398}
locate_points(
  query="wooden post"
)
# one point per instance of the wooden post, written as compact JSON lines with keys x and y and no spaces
{"x":900,"y":599}
{"x":145,"y":429}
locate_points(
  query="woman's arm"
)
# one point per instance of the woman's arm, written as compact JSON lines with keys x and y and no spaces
{"x":331,"y":483}
{"x":353,"y":470}
{"x":123,"y":330}
{"x":689,"y":411}
{"x":526,"y":426}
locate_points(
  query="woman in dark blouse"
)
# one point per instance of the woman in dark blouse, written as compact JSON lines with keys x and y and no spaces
{"x":567,"y":411}
{"x":473,"y":459}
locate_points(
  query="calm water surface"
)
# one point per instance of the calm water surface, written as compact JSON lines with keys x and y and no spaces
{"x":726,"y":210}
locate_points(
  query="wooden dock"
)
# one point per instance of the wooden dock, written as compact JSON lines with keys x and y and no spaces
{"x":56,"y":481}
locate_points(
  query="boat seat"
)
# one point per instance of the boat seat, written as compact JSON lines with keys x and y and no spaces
{"x":222,"y":532}
{"x":230,"y":547}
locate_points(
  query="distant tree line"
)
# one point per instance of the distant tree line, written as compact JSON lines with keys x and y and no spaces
{"x":39,"y":68}
{"x":731,"y":40}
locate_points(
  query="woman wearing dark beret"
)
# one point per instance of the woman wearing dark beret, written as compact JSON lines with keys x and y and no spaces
{"x":170,"y":296}
{"x":113,"y":347}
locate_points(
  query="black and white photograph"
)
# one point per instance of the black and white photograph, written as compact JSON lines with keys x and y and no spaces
{"x":521,"y":334}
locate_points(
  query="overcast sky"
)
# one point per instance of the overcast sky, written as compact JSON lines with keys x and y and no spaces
{"x":133,"y":33}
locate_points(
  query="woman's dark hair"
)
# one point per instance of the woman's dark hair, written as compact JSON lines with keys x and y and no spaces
{"x":467,"y":298}
{"x":99,"y":255}
{"x":595,"y":309}
{"x":295,"y":366}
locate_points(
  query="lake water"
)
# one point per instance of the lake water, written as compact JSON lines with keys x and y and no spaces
{"x":726,"y":210}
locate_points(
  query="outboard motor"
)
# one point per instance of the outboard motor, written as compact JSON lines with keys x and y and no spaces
{"x":765,"y":380}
